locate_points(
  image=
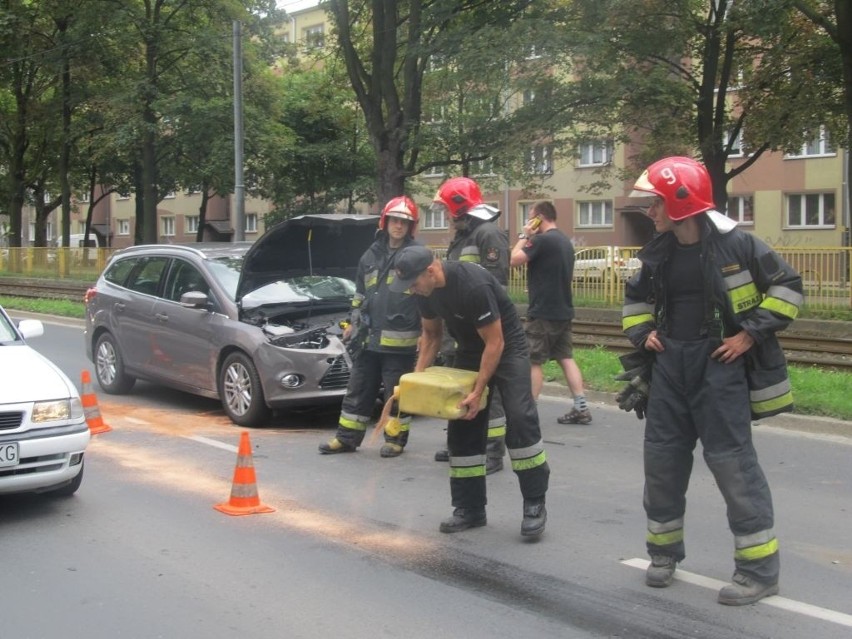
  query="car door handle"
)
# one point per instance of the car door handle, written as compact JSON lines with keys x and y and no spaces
{"x":119,"y":306}
{"x":163,"y":317}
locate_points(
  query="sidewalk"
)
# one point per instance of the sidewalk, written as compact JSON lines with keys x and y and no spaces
{"x":812,"y":424}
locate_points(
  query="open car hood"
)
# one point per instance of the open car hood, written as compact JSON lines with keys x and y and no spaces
{"x":316,"y":244}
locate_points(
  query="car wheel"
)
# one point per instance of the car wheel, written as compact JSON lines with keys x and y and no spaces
{"x":241,"y":392}
{"x":70,"y":488}
{"x":109,"y":367}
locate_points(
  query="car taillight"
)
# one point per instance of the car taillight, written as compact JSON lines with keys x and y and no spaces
{"x":90,"y":295}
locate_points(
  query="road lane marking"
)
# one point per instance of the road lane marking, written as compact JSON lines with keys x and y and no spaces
{"x":777,"y":602}
{"x":139,"y":422}
{"x":212,"y":442}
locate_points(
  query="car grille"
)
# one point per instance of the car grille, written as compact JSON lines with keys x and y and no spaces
{"x":11,"y":420}
{"x":40,"y":464}
{"x":337,"y":375}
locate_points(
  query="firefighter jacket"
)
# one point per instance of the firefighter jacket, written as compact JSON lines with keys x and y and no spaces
{"x":392,"y":320}
{"x":484,"y":244}
{"x":747,"y":287}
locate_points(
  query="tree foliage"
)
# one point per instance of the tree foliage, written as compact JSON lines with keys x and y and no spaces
{"x":687,"y":75}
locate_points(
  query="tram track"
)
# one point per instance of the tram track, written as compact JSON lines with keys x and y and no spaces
{"x":807,"y":348}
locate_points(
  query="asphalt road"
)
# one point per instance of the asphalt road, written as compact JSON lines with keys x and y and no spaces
{"x":353,"y":549}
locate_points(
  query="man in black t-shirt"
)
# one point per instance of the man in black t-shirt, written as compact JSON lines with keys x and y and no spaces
{"x":549,"y":256}
{"x":483,"y":321}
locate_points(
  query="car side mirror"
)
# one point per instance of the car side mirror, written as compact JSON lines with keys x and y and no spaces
{"x":31,"y":328}
{"x":195,"y":299}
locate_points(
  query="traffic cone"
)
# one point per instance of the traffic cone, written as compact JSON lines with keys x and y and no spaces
{"x":244,"y":499}
{"x":90,"y":407}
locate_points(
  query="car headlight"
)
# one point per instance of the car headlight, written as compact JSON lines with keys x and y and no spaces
{"x":57,"y":410}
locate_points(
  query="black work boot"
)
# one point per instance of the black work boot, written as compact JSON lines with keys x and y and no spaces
{"x":660,"y":572}
{"x":744,"y":590}
{"x":535,"y":517}
{"x":462,"y":519}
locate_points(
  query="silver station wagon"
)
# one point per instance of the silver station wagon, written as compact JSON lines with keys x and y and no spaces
{"x":257,"y":326}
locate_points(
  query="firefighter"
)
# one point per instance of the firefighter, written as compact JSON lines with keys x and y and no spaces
{"x":485,"y":324}
{"x":477,"y":240}
{"x":707,"y":304}
{"x":381,"y":337}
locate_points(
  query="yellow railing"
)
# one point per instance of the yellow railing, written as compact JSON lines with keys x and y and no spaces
{"x":826,"y":276}
{"x":75,"y":263}
{"x":826,"y":272}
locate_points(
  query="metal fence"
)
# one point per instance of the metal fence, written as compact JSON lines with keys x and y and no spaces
{"x":826,"y":276}
{"x":826,"y":272}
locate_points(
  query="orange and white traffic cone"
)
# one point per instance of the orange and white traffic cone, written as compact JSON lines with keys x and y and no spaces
{"x":90,"y":407}
{"x":244,"y":498}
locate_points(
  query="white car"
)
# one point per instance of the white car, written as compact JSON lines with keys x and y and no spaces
{"x":602,"y":263}
{"x":43,"y":430}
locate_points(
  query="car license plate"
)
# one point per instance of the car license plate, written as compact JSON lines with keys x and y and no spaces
{"x":9,"y":454}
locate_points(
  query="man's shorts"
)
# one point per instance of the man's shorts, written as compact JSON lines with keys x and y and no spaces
{"x":549,"y":339}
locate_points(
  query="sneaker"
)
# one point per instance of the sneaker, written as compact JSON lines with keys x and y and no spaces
{"x":535,"y":517}
{"x":744,"y":590}
{"x":660,"y":573}
{"x":576,"y":417}
{"x":462,"y":519}
{"x":334,"y":446}
{"x":391,"y":450}
{"x":493,"y":465}
{"x":442,"y":456}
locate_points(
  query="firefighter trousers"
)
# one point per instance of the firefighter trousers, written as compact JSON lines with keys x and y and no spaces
{"x":694,"y":397}
{"x":370,"y":371}
{"x":466,"y":439}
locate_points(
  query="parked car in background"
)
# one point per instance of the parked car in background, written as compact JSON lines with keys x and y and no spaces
{"x":43,"y":430}
{"x":257,"y":326}
{"x":602,"y":263}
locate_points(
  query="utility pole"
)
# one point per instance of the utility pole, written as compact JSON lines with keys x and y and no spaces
{"x":239,"y":187}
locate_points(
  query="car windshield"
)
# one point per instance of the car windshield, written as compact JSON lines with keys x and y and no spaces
{"x":304,"y":288}
{"x":7,"y":331}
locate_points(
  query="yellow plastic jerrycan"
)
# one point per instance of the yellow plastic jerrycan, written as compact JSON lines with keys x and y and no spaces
{"x":436,"y":392}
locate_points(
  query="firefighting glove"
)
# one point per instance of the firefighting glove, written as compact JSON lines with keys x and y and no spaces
{"x":634,"y":396}
{"x":637,"y":372}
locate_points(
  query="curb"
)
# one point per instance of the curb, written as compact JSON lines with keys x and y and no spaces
{"x":811,"y":424}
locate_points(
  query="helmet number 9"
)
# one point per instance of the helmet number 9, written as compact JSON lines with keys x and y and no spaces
{"x":668,"y":175}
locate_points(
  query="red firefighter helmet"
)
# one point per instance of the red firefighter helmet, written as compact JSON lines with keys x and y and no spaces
{"x":402,"y":207}
{"x":459,"y":195}
{"x":683,"y":183}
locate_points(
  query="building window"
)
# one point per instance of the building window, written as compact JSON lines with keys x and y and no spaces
{"x":736,"y":150}
{"x":524,"y":209}
{"x":598,"y":213}
{"x":529,"y":97}
{"x":251,"y":223}
{"x":810,"y":209}
{"x":741,"y":209}
{"x":168,"y":226}
{"x":818,"y":146}
{"x":595,"y":153}
{"x":191,"y":222}
{"x":84,"y":197}
{"x":482,"y":168}
{"x":541,"y":160}
{"x":314,"y":37}
{"x":123,"y":227}
{"x":433,"y":220}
